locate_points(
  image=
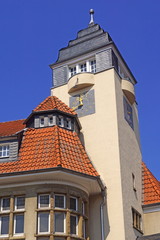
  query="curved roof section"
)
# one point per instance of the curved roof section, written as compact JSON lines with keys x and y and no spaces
{"x":50,"y":147}
{"x":51,"y":103}
{"x":11,"y":128}
{"x":151,"y":187}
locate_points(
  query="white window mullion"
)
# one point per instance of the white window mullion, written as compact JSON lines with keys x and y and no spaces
{"x":77,"y":68}
{"x":88,"y":66}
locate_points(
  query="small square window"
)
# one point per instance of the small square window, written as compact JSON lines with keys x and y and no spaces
{"x":93,"y":66}
{"x":20,"y":203}
{"x":83,"y":67}
{"x":19,"y":224}
{"x":73,"y":224}
{"x":59,"y":222}
{"x":44,"y":201}
{"x":5,"y":204}
{"x":4,"y":151}
{"x":59,"y":201}
{"x":43,"y":222}
{"x":73,"y":203}
{"x":4,"y":225}
{"x":72,"y":71}
{"x":68,"y":123}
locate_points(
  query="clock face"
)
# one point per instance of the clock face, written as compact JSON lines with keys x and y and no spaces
{"x":84,"y":103}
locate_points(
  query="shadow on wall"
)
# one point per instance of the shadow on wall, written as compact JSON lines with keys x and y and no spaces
{"x":95,"y":223}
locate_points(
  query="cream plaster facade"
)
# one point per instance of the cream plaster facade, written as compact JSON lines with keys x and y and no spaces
{"x":113,"y":147}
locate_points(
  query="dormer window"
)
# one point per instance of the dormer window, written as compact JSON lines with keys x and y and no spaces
{"x":87,"y":66}
{"x":41,"y":122}
{"x":50,"y":120}
{"x":68,"y":123}
{"x":4,"y":151}
{"x":60,"y":121}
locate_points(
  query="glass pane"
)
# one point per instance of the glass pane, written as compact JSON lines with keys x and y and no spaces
{"x":59,"y":222}
{"x":43,"y":222}
{"x":59,"y":201}
{"x":19,"y":223}
{"x":44,"y":201}
{"x":59,"y":238}
{"x":5,"y":204}
{"x":20,"y":201}
{"x":73,"y":224}
{"x":4,"y":224}
{"x":43,"y":238}
{"x":73,"y":203}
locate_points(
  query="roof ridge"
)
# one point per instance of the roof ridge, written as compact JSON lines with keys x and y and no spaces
{"x":57,"y":146}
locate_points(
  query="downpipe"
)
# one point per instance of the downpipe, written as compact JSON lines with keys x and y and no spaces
{"x":102,"y":214}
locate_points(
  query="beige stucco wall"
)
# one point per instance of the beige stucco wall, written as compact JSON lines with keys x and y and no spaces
{"x":113,"y":147}
{"x":151,"y":223}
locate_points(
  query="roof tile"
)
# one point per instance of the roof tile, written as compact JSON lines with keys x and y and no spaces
{"x":11,"y":128}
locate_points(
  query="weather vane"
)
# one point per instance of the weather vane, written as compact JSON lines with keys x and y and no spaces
{"x":92,"y":16}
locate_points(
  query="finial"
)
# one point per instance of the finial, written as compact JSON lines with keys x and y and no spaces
{"x":92,"y":14}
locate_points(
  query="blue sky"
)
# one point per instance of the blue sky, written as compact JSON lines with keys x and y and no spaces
{"x":32,"y":32}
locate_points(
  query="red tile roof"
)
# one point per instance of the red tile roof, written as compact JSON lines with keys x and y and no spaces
{"x":51,"y":103}
{"x":151,"y":186}
{"x":50,"y":147}
{"x":10,"y":128}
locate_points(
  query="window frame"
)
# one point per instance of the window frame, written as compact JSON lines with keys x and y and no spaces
{"x":7,"y":150}
{"x":38,"y":226}
{"x":14,"y":224}
{"x":64,"y":201}
{"x":64,"y":223}
{"x":69,"y":123}
{"x":137,"y":220}
{"x":4,"y":235}
{"x":60,"y":121}
{"x":15,"y":204}
{"x":76,"y":204}
{"x":40,"y":124}
{"x":76,"y":216}
{"x":49,"y":123}
{"x":40,"y":203}
{"x":1,"y":209}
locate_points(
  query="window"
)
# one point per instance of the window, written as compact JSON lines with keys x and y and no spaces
{"x":20,"y":203}
{"x":53,"y":220}
{"x":5,"y":204}
{"x":43,"y":222}
{"x":44,"y":201}
{"x":41,"y":121}
{"x":128,"y":112}
{"x":59,"y":201}
{"x":4,"y":151}
{"x":83,"y":208}
{"x":83,"y":67}
{"x":68,"y":123}
{"x":19,"y":224}
{"x":73,"y":203}
{"x":50,"y":120}
{"x":4,"y":225}
{"x":60,"y":121}
{"x":87,"y":66}
{"x":137,"y":220}
{"x":133,"y":182}
{"x":59,"y":222}
{"x":93,"y":66}
{"x":74,"y":224}
{"x":72,"y":71}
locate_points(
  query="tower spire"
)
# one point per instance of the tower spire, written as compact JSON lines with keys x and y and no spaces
{"x":92,"y":17}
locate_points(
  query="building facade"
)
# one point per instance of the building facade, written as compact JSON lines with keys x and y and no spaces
{"x":73,"y":169}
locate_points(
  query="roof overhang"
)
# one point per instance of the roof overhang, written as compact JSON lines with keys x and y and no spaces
{"x":90,"y":184}
{"x":153,"y":207}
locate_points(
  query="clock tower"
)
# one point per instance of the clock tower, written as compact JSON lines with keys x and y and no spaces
{"x":91,"y":76}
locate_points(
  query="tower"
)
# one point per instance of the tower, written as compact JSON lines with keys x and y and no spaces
{"x":91,"y":76}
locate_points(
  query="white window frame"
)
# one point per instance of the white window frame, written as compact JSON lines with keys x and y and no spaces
{"x":7,"y":150}
{"x":60,"y":118}
{"x":40,"y":124}
{"x":39,"y":223}
{"x":64,"y":201}
{"x":64,"y":223}
{"x":15,"y":204}
{"x":3,"y":235}
{"x":2,"y":205}
{"x":49,"y":117}
{"x":39,"y":205}
{"x":76,"y":203}
{"x":90,"y":65}
{"x":14,"y":230}
{"x":73,"y":234}
{"x":69,"y":123}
